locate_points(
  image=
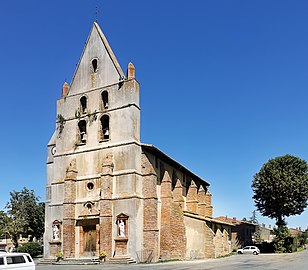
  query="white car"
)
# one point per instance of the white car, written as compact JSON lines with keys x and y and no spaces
{"x":249,"y":250}
{"x":22,"y":261}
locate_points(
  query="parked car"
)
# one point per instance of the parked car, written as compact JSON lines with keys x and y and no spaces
{"x":20,"y":261}
{"x":249,"y":250}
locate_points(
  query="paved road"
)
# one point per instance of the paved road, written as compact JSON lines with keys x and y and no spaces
{"x":293,"y":261}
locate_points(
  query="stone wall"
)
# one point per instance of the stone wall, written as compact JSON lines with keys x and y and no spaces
{"x":196,"y":238}
{"x":221,"y":243}
{"x":202,"y":242}
{"x":209,"y":242}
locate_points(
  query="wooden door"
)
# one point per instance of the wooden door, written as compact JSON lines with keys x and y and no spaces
{"x":89,"y":241}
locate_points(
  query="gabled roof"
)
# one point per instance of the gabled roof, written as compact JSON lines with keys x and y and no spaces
{"x":109,"y":50}
{"x":53,"y":138}
{"x":155,"y":151}
{"x":104,"y":48}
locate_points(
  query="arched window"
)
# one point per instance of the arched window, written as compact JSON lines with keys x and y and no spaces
{"x":82,"y":125}
{"x":105,"y":99}
{"x":94,"y":65}
{"x":105,"y":127}
{"x":93,"y":71}
{"x":83,"y":104}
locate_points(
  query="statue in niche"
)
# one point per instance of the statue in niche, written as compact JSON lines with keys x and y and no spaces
{"x":89,"y":209}
{"x":122,"y":228}
{"x":56,"y":232}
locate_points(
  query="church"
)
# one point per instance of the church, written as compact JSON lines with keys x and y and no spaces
{"x":106,"y":191}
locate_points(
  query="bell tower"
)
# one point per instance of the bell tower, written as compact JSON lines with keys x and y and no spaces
{"x":98,"y":131}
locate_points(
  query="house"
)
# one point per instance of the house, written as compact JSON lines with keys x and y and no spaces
{"x":7,"y":243}
{"x":242,"y":231}
{"x":108,"y":192}
{"x":266,"y":234}
{"x":295,"y":232}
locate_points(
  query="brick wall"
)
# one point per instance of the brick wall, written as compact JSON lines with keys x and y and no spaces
{"x":219,"y":244}
{"x":150,"y":211}
{"x":68,"y":238}
{"x":227,"y":246}
{"x":178,"y":247}
{"x":69,"y":211}
{"x":178,"y":244}
{"x":178,"y":193}
{"x":172,"y":233}
{"x":201,"y":202}
{"x":216,"y":244}
{"x":209,"y":207}
{"x":191,"y":200}
{"x":165,"y":230}
{"x":209,"y":242}
{"x":105,"y":205}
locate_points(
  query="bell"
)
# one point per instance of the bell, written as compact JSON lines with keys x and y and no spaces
{"x":107,"y":132}
{"x":83,"y":137}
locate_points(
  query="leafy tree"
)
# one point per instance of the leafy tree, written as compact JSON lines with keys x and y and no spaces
{"x":4,"y":221}
{"x":257,"y":235}
{"x":281,"y":188}
{"x":25,"y":215}
{"x":303,"y":238}
{"x":280,"y":241}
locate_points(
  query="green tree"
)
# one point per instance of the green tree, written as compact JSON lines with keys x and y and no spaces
{"x":25,"y":215}
{"x":281,"y":240}
{"x":4,"y":221}
{"x":257,"y":235}
{"x":281,"y":188}
{"x":303,"y":238}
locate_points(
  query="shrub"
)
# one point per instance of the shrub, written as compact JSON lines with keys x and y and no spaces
{"x":59,"y":256}
{"x":266,"y":247}
{"x":102,"y":255}
{"x":33,"y":248}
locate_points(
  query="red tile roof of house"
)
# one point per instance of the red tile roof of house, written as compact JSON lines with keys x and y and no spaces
{"x":233,"y":220}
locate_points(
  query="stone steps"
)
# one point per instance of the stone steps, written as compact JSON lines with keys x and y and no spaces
{"x":121,"y":260}
{"x":83,"y":261}
{"x":47,"y":261}
{"x":88,"y":261}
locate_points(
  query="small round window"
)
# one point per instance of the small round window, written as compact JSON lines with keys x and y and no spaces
{"x":90,"y":186}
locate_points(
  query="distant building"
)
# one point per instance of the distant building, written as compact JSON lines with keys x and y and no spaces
{"x":7,"y":243}
{"x":295,"y":232}
{"x":242,"y":231}
{"x":266,"y":234}
{"x":107,"y":191}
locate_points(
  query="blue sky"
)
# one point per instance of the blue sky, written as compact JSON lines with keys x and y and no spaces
{"x":224,"y":84}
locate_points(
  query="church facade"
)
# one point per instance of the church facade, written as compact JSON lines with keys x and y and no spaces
{"x":108,"y":192}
